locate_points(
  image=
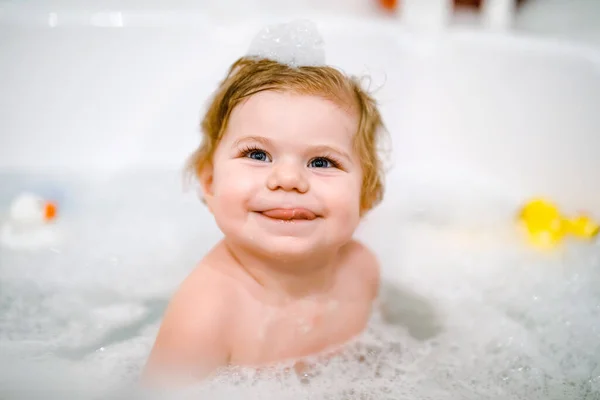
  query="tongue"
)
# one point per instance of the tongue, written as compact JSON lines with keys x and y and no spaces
{"x":290,"y":213}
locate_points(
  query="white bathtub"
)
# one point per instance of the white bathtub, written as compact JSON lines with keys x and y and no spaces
{"x":479,"y":122}
{"x":519,"y":112}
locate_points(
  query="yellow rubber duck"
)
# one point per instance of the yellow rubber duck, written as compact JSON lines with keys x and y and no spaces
{"x":545,"y":226}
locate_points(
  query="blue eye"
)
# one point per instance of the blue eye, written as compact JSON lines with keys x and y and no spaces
{"x":321,"y":163}
{"x":256,"y":154}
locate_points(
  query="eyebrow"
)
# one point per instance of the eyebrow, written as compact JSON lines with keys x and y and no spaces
{"x":318,"y":148}
{"x":259,"y":139}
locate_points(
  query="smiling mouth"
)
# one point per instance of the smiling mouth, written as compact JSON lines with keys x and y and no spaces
{"x":290,"y":214}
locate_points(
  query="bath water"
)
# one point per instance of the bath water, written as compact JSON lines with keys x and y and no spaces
{"x":465,"y":311}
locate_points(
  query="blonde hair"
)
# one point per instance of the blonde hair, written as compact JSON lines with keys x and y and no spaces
{"x":248,"y":76}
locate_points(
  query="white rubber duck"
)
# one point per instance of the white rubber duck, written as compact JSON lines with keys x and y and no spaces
{"x":30,"y":223}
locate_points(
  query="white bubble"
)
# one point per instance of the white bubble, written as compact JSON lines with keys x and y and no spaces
{"x":297,"y":43}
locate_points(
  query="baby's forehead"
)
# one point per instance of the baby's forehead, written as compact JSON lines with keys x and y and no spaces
{"x":290,"y":119}
{"x":273,"y":107}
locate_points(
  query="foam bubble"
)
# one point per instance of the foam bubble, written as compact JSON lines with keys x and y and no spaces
{"x":297,"y":43}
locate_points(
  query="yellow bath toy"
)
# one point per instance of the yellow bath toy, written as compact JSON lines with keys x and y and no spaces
{"x":546,"y":227}
{"x":583,"y":227}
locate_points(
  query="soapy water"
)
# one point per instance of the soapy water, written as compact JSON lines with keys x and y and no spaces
{"x":462,"y":314}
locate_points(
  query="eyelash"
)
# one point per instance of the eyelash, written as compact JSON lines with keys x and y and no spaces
{"x":333,"y":160}
{"x":249,"y":149}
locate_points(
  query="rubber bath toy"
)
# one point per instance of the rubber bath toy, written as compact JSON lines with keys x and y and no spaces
{"x":546,"y":227}
{"x":29,"y":223}
{"x":583,"y":227}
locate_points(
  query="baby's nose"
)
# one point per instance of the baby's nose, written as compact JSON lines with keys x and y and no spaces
{"x":289,"y":177}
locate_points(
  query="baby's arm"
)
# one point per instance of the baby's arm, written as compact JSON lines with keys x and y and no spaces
{"x":192,"y":341}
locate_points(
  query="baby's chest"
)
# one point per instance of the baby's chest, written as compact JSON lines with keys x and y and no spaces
{"x":274,"y":334}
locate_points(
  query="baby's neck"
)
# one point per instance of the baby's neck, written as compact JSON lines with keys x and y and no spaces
{"x":287,"y":279}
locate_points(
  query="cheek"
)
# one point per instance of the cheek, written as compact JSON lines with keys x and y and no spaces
{"x":343,"y":200}
{"x":232,"y":186}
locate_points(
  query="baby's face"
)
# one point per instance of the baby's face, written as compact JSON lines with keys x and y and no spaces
{"x":285,"y":179}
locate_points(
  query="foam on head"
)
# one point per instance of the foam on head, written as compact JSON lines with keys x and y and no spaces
{"x":296,"y":44}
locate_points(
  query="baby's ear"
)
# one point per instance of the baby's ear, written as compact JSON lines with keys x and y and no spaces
{"x":205,"y":178}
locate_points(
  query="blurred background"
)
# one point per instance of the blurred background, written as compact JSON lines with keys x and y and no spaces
{"x":496,"y":94}
{"x":576,"y":18}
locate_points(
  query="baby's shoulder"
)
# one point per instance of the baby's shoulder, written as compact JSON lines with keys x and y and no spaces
{"x":209,"y":284}
{"x":193,"y":335}
{"x":358,"y":254}
{"x":202,"y":303}
{"x":361,"y":262}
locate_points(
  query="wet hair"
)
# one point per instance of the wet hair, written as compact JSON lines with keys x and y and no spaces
{"x":248,"y":76}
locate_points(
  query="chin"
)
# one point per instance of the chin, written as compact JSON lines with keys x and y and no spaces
{"x":290,"y":247}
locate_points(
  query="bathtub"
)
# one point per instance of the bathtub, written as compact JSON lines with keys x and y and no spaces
{"x":99,"y":110}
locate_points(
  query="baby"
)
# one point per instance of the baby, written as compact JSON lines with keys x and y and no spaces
{"x":288,"y":167}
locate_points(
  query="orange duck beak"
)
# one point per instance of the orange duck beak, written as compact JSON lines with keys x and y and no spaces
{"x":50,"y":211}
